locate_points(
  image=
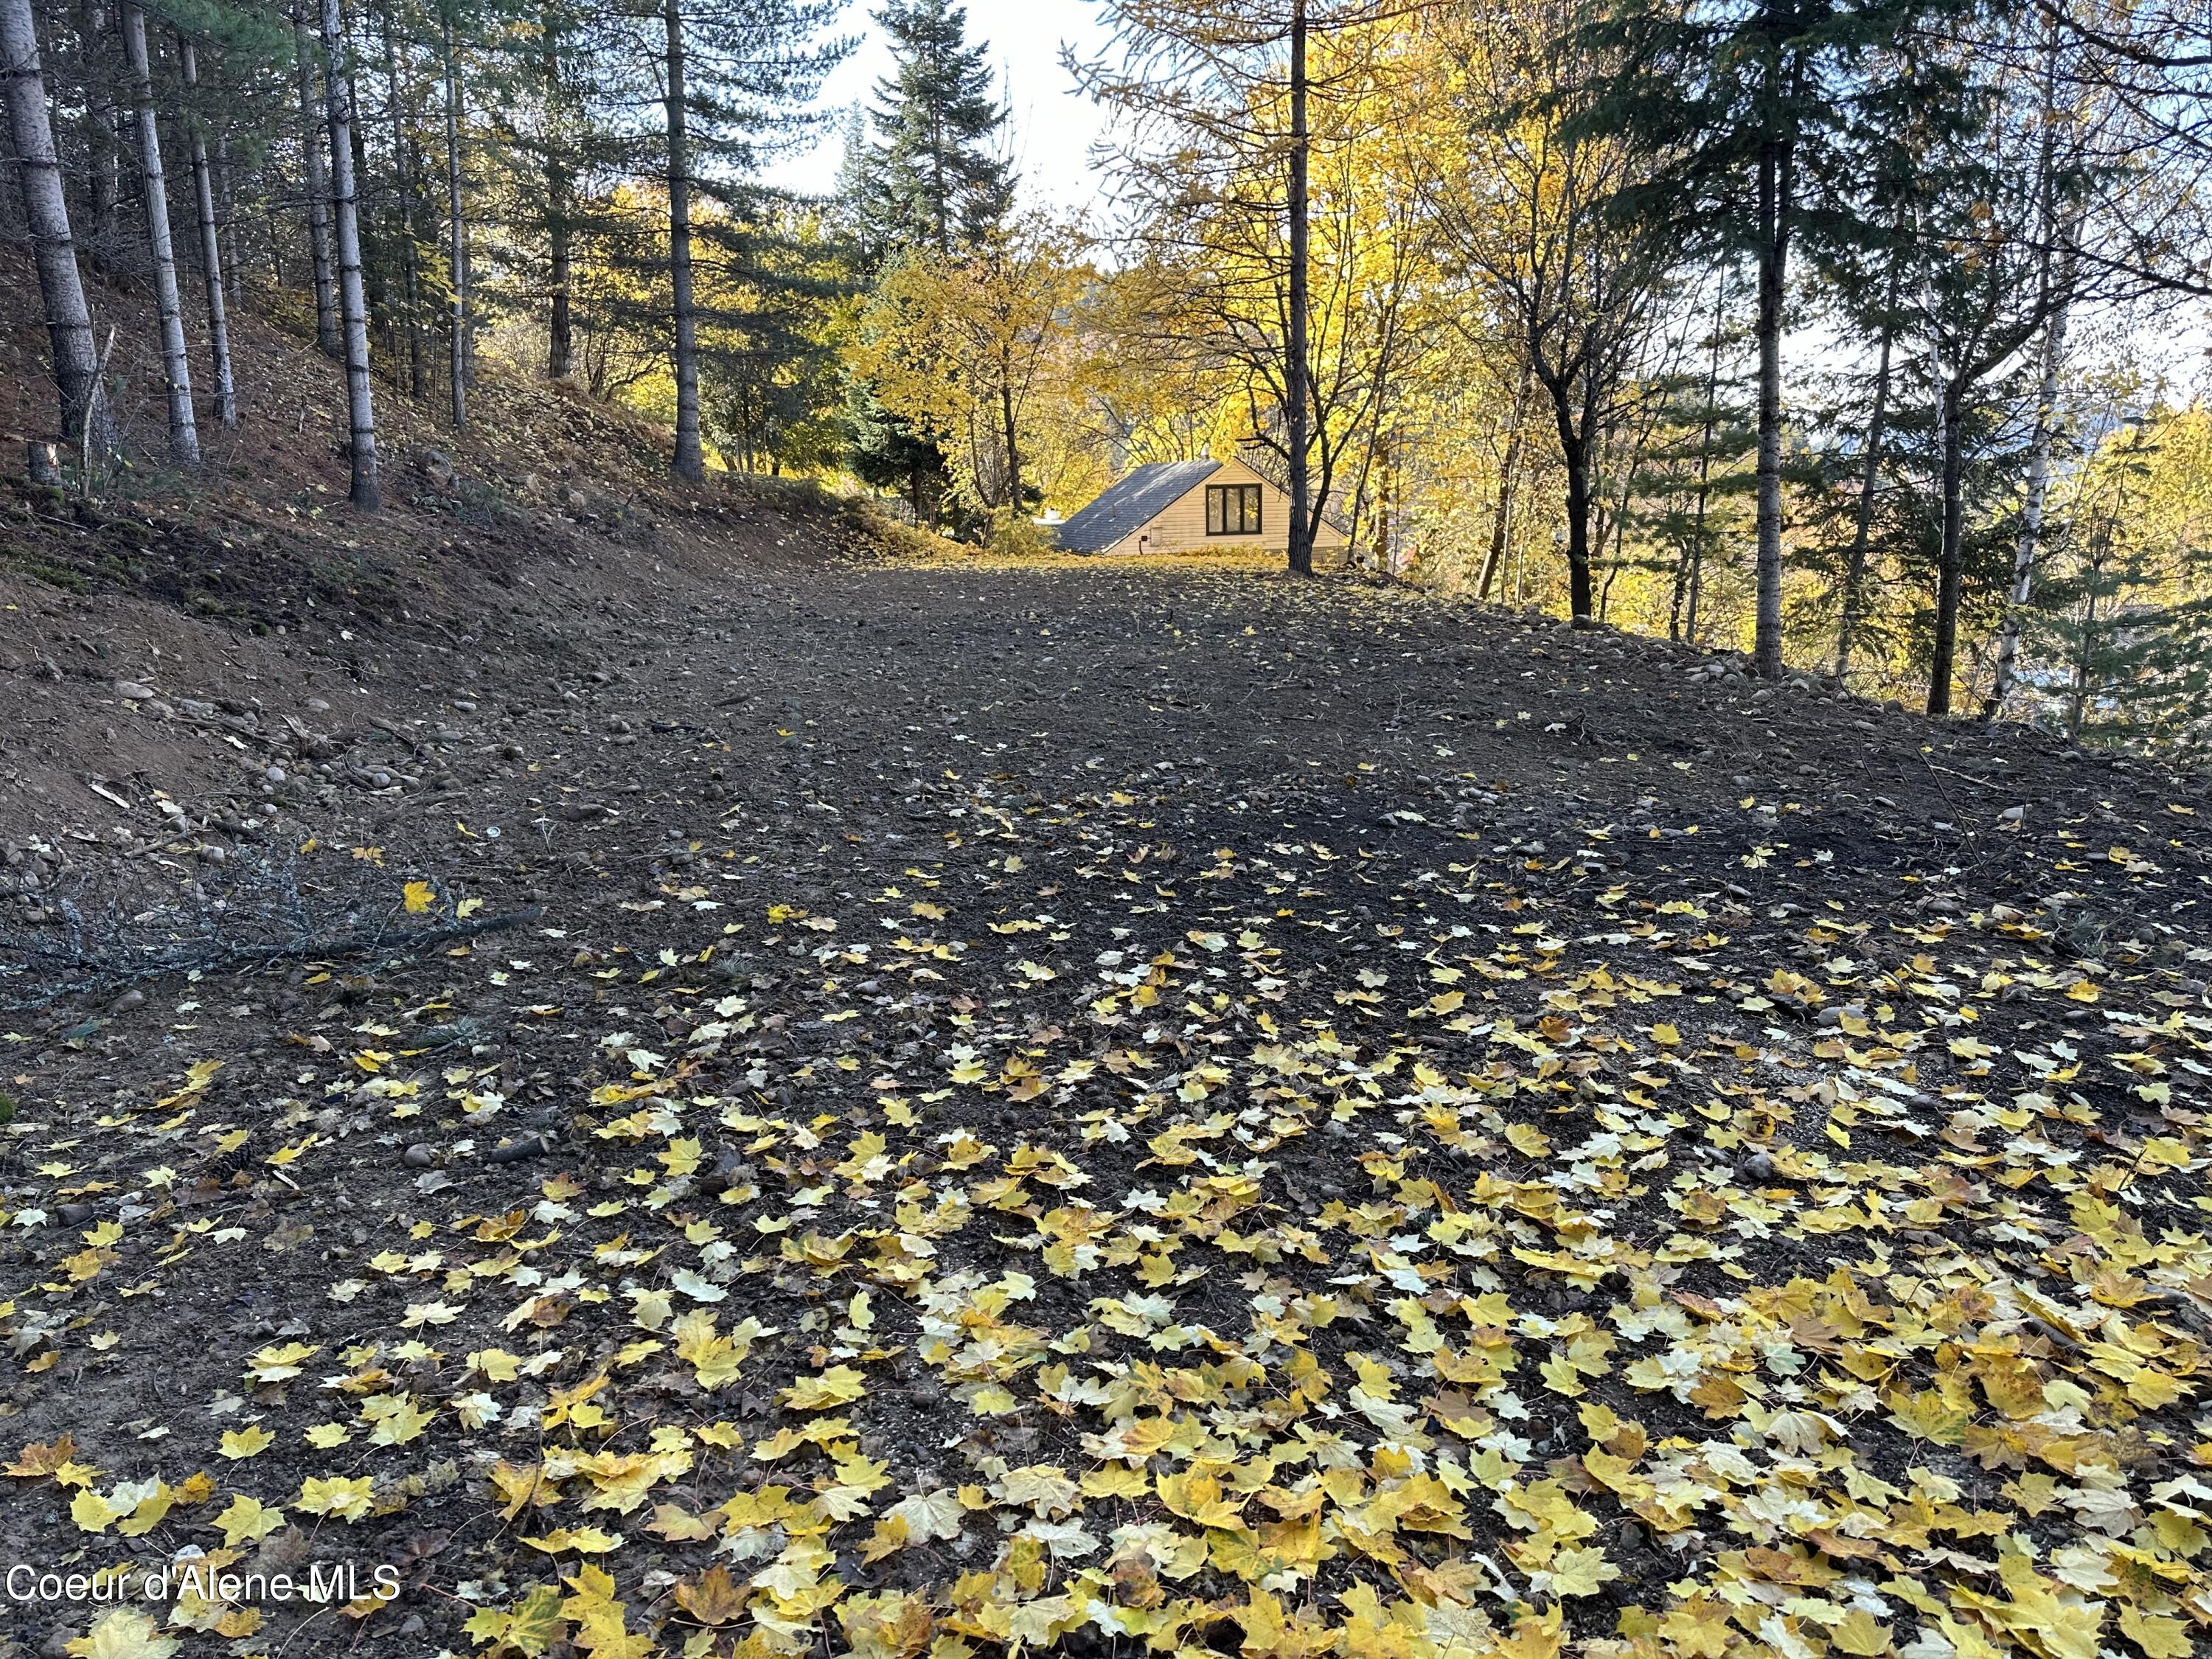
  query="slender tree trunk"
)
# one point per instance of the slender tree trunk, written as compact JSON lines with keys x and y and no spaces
{"x":410,"y":245}
{"x":1696,"y":598}
{"x":2078,"y":701}
{"x":104,"y":155}
{"x":2033,"y":499}
{"x":1847,"y":627}
{"x":1296,"y":395}
{"x":1501,"y":518}
{"x":2056,"y":280}
{"x":1943,"y":661}
{"x":311,"y":126}
{"x":456,"y":240}
{"x":1689,"y":570}
{"x":2036,"y":497}
{"x":560,"y":343}
{"x":226,"y":391}
{"x":226,"y":183}
{"x":560,"y":327}
{"x":1385,"y":551}
{"x":46,"y":213}
{"x":690,"y":463}
{"x":1575,"y":455}
{"x":176,"y":369}
{"x":1774,"y":191}
{"x":345,"y":225}
{"x":1006,"y":421}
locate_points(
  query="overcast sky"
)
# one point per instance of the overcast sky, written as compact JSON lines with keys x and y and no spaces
{"x":1051,"y":127}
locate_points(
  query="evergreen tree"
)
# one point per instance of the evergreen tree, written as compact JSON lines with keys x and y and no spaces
{"x":737,"y":76}
{"x":45,"y":213}
{"x":934,"y":183}
{"x":1743,"y":110}
{"x":1690,"y":474}
{"x":927,"y":182}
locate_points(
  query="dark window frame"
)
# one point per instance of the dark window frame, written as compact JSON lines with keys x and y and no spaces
{"x":1246,"y":497}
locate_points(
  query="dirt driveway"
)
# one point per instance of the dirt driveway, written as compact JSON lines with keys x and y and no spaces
{"x":880,"y":1104}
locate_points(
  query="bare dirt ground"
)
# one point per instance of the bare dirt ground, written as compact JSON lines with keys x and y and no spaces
{"x":870,"y":1106}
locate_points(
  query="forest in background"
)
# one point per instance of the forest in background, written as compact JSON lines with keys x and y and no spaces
{"x":1859,"y":336}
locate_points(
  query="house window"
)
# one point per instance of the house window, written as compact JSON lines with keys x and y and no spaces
{"x":1232,"y":509}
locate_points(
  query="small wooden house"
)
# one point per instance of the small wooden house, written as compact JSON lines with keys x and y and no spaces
{"x":1195,"y":506}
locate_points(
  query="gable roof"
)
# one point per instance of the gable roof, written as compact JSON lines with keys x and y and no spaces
{"x":1136,"y":500}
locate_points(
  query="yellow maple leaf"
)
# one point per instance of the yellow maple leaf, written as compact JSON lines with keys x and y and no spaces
{"x":1858,"y":1634}
{"x":586,"y":1540}
{"x":839,"y":1385}
{"x":2156,"y":1634}
{"x":247,"y":1520}
{"x":346,"y":1497}
{"x":250,"y":1441}
{"x":92,"y":1512}
{"x":123,"y":1633}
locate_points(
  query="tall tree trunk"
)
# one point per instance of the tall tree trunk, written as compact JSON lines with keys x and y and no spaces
{"x":1847,"y":626}
{"x":226,"y":183}
{"x":345,"y":225}
{"x":1006,"y":421}
{"x":559,"y":324}
{"x":1689,"y":570}
{"x":456,"y":240}
{"x":559,"y":343}
{"x":1774,"y":182}
{"x":312,"y":126}
{"x":1385,"y":551}
{"x":1943,"y":660}
{"x":176,"y":370}
{"x":1575,"y":455}
{"x":226,"y":390}
{"x":2085,"y":647}
{"x":2055,"y":279}
{"x":1296,"y":395}
{"x":1501,"y":518}
{"x":2036,"y":493}
{"x":691,"y":462}
{"x":104,"y":155}
{"x":45,"y":213}
{"x":403,"y":170}
{"x":1694,"y":600}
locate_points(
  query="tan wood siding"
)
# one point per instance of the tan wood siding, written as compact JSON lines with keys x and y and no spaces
{"x":1179,"y":527}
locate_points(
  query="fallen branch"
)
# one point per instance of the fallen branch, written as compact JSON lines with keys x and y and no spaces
{"x":260,"y":954}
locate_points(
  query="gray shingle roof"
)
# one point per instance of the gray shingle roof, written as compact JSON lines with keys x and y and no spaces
{"x":1135,"y":501}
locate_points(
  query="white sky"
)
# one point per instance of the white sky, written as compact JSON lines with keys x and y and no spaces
{"x":1052,"y":126}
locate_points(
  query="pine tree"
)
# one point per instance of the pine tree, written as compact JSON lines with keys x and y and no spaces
{"x":457,"y":224}
{"x":45,"y":211}
{"x":314,"y":135}
{"x":737,"y":75}
{"x":176,"y":370}
{"x":345,"y":225}
{"x":934,"y":180}
{"x":1743,"y":112}
{"x":211,"y":239}
{"x":920,"y":177}
{"x":100,"y":125}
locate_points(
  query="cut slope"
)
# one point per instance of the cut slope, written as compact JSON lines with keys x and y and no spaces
{"x":252,"y":586}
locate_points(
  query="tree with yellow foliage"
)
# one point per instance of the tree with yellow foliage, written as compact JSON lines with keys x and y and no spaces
{"x":958,"y":347}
